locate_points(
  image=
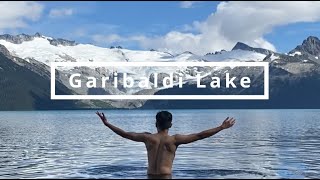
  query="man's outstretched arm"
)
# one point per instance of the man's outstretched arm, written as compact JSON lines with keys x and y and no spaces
{"x":138,"y":137}
{"x":185,"y":139}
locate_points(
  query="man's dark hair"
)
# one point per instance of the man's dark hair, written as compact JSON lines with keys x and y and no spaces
{"x":164,"y":120}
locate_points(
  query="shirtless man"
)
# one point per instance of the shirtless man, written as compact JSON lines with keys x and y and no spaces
{"x":161,"y":146}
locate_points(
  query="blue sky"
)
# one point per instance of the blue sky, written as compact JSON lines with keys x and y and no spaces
{"x":143,"y":25}
{"x":125,"y":18}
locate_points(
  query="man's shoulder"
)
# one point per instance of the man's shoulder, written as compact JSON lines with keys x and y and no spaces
{"x":176,"y":135}
{"x":148,"y":134}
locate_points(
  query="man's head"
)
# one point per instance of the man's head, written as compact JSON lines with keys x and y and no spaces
{"x":164,"y":120}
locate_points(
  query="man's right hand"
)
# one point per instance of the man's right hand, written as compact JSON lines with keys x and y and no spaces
{"x":227,"y":123}
{"x":102,"y":117}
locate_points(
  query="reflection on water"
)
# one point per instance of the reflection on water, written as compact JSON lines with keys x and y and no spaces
{"x":75,"y":144}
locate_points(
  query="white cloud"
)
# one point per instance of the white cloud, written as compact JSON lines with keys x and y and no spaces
{"x":112,"y":38}
{"x":235,"y":21}
{"x":56,"y":13}
{"x":80,"y":32}
{"x":17,"y":14}
{"x":188,"y":4}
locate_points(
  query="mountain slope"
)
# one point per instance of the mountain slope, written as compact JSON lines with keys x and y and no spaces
{"x":294,"y":82}
{"x":33,"y":54}
{"x":23,"y":89}
{"x":286,"y":91}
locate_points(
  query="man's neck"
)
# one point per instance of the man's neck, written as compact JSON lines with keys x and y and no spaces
{"x":164,"y":132}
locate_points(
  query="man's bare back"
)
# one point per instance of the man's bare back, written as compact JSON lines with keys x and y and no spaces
{"x":161,"y":152}
{"x":161,"y":147}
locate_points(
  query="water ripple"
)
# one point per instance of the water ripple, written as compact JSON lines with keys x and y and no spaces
{"x":263,"y":144}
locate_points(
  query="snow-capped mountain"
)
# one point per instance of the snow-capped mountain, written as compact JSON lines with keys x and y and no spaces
{"x":47,"y":49}
{"x":43,"y":49}
{"x":36,"y":52}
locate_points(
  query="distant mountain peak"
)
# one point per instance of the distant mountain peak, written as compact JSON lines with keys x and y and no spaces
{"x":312,"y":39}
{"x":311,"y":45}
{"x":241,"y":45}
{"x":63,"y":42}
{"x":37,"y":34}
{"x":20,"y":38}
{"x":187,"y":52}
{"x":245,"y":47}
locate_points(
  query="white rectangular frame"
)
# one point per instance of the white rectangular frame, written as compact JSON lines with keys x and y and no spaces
{"x":265,"y":96}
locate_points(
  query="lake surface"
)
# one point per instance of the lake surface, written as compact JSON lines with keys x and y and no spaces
{"x":75,"y":144}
